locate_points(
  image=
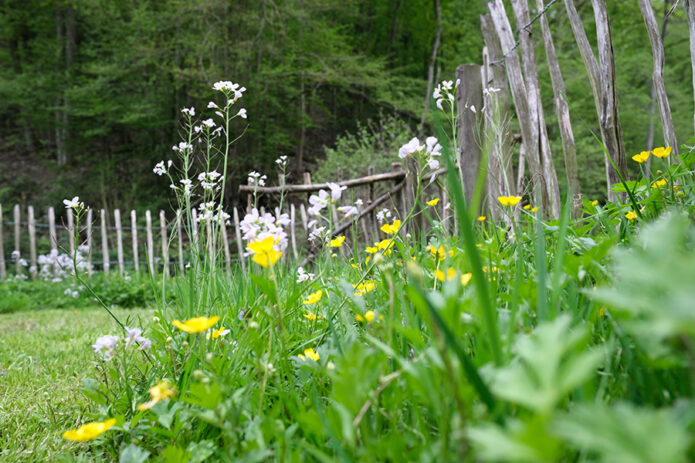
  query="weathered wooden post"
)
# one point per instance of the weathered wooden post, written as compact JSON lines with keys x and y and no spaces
{"x":134,"y":238}
{"x":469,"y":100}
{"x":179,"y":232}
{"x":33,"y":269}
{"x":89,"y":243}
{"x":119,"y":240}
{"x":293,"y":222}
{"x":53,"y":239}
{"x":104,"y":243}
{"x":239,"y":245}
{"x":150,"y":241}
{"x":18,"y":267}
{"x":71,"y":231}
{"x":165,"y":242}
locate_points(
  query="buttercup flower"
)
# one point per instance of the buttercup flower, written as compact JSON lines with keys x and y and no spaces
{"x":466,"y":278}
{"x":313,"y":298}
{"x":642,"y":157}
{"x":661,"y":152}
{"x":481,"y":218}
{"x":89,"y":431}
{"x":196,"y":325}
{"x":450,"y":274}
{"x":659,"y":183}
{"x":263,"y":252}
{"x":160,"y":391}
{"x":433,"y":202}
{"x":309,"y":354}
{"x":509,"y":200}
{"x":368,"y":316}
{"x":364,"y":288}
{"x":217,"y":333}
{"x":336,"y":243}
{"x":392,"y":228}
{"x":632,"y":215}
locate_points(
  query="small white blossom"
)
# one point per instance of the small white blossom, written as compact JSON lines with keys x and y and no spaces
{"x":383,"y":215}
{"x":159,"y":168}
{"x":190,"y":111}
{"x":336,"y":190}
{"x":242,"y":113}
{"x":73,"y":203}
{"x":303,"y":276}
{"x":105,"y":345}
{"x":209,"y":123}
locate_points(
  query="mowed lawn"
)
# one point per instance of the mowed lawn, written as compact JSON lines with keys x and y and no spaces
{"x":44,"y":356}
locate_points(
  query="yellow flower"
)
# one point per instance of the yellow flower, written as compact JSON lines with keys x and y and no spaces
{"x":160,"y":391}
{"x":310,"y":354}
{"x":372,"y":250}
{"x":386,"y":244}
{"x":494,"y":269}
{"x":310,"y":316}
{"x":336,"y":243}
{"x":433,"y":202}
{"x":439,"y":253}
{"x":263,"y":252}
{"x":481,"y":218}
{"x":642,"y":157}
{"x":527,"y":207}
{"x":391,"y":229}
{"x":534,"y":209}
{"x":509,"y":200}
{"x":222,"y":331}
{"x":632,"y":215}
{"x":196,"y":325}
{"x":478,"y":245}
{"x":313,"y":298}
{"x":368,"y":316}
{"x":662,"y":152}
{"x":594,"y":202}
{"x":89,"y":431}
{"x":466,"y":278}
{"x":659,"y":183}
{"x":364,"y":288}
{"x":450,"y":274}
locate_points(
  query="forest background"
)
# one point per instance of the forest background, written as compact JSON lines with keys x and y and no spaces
{"x":91,"y":90}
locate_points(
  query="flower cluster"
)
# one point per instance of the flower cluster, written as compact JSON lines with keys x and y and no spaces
{"x":106,"y":346}
{"x":160,"y":168}
{"x":445,"y":91}
{"x":302,"y":275}
{"x":210,"y":181}
{"x":56,"y":266}
{"x":257,"y":227}
{"x":429,"y":151}
{"x":256,"y":179}
{"x":230,"y":89}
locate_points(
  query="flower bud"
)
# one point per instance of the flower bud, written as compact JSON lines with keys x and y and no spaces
{"x":198,"y":375}
{"x":170,"y":339}
{"x":155,"y":319}
{"x":253,"y":325}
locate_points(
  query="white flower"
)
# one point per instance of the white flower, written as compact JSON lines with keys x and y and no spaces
{"x":210,"y":180}
{"x":190,"y":111}
{"x":318,"y":202}
{"x":105,"y":346}
{"x":209,"y":123}
{"x":336,"y":190}
{"x":254,"y":178}
{"x":303,"y":276}
{"x":159,"y":169}
{"x":15,"y":254}
{"x":73,"y":203}
{"x":212,"y":105}
{"x":281,"y":161}
{"x":413,"y":146}
{"x":187,"y":186}
{"x":349,"y":210}
{"x":472,"y":108}
{"x":383,"y":214}
{"x":242,"y":113}
{"x":182,"y":146}
{"x":133,"y":336}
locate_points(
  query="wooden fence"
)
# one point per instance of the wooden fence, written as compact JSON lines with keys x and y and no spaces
{"x":138,"y":242}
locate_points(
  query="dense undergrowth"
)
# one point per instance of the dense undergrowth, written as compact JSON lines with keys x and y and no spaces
{"x":534,"y":340}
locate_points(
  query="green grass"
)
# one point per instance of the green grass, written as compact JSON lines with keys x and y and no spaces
{"x":44,"y":355}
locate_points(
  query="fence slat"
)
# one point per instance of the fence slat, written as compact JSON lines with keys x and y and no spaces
{"x":134,"y":236}
{"x":89,"y":243}
{"x":179,"y":232}
{"x":119,"y":240}
{"x":194,"y":229}
{"x":52,"y":238}
{"x":150,"y":242}
{"x":165,"y":243}
{"x":18,"y":267}
{"x":305,"y":221}
{"x":227,"y":257}
{"x":292,"y":233}
{"x":33,"y":269}
{"x":71,"y":231}
{"x":104,"y":243}
{"x":240,"y":247}
{"x":3,"y":269}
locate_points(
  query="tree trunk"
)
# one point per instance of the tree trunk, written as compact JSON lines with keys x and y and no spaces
{"x":528,"y":53}
{"x":658,"y":76}
{"x":690,"y":15}
{"x":430,"y":69}
{"x":569,"y":148}
{"x":529,"y":133}
{"x":610,"y":118}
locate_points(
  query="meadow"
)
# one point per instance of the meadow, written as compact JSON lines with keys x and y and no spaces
{"x":452,"y":338}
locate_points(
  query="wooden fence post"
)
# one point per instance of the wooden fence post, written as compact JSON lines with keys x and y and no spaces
{"x":240,"y":248}
{"x":53,"y":239}
{"x":150,"y":242}
{"x":134,"y":238}
{"x":194,"y":230}
{"x":71,"y":231}
{"x":165,"y":242}
{"x":89,"y":243}
{"x":371,"y":218}
{"x":469,"y":100}
{"x":3,"y":269}
{"x":18,"y":267}
{"x":179,"y":232}
{"x":119,"y":240}
{"x":292,"y":231}
{"x":33,"y":269}
{"x":227,"y":255}
{"x":104,"y":243}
